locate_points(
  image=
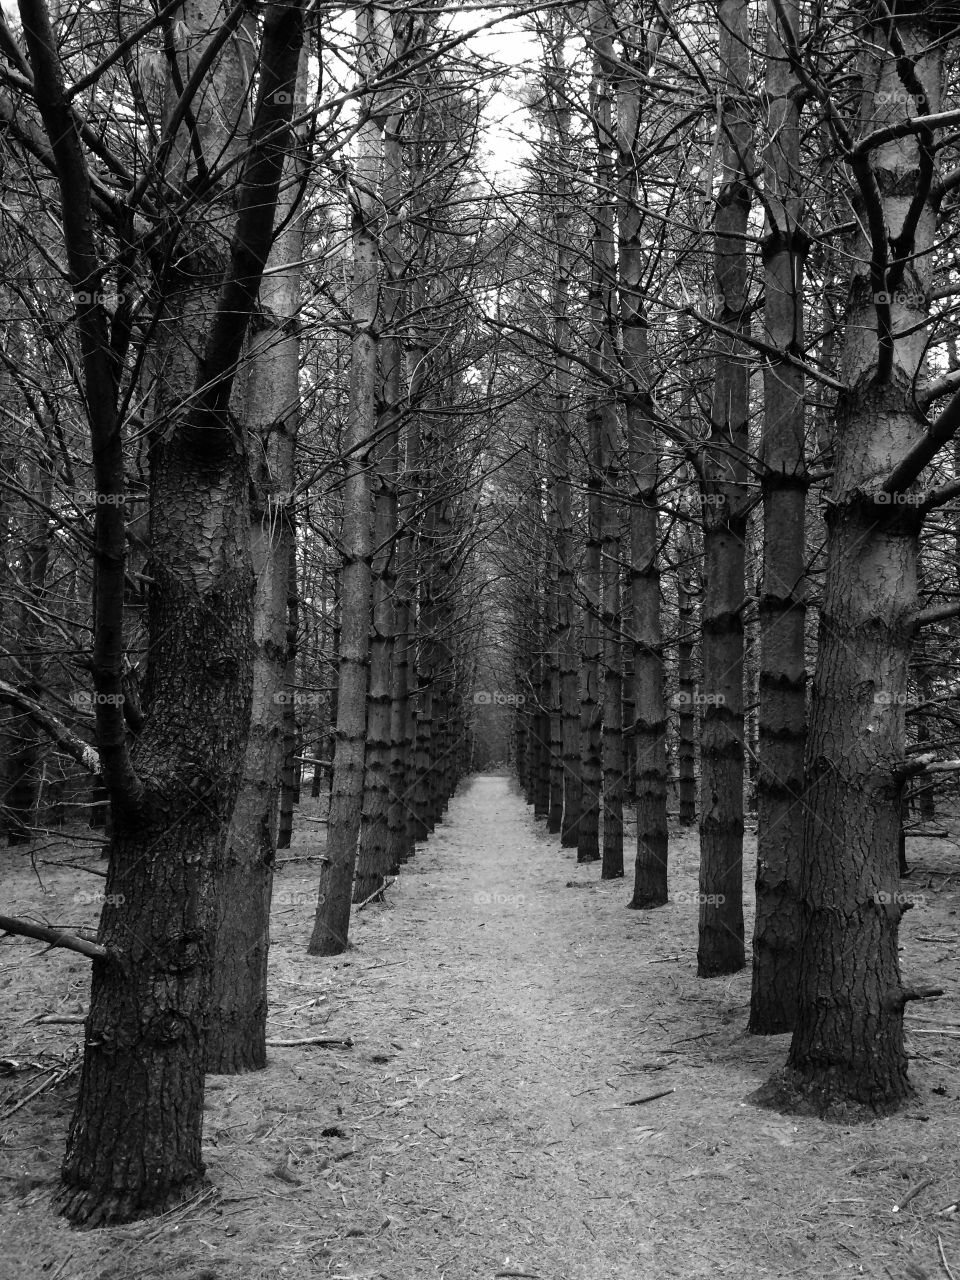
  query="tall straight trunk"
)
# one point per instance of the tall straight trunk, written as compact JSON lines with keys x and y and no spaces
{"x":598,"y":409}
{"x":374,"y":860}
{"x":568,"y":652}
{"x":847,"y":1045}
{"x":541,"y":685}
{"x":613,"y":754}
{"x":236,"y":1035}
{"x":135,"y":1138}
{"x":330,"y":748}
{"x":721,"y":948}
{"x":782,"y":702}
{"x":332,"y":922}
{"x":607,"y":458}
{"x":552,"y":683}
{"x":649,"y":724}
{"x":588,"y":828}
{"x":403,"y":722}
{"x":288,"y":736}
{"x":686,"y":689}
{"x":426,"y":627}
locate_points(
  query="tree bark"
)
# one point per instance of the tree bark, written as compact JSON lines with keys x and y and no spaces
{"x":721,"y":948}
{"x":782,"y":610}
{"x":649,"y":727}
{"x":134,"y":1141}
{"x":332,"y":922}
{"x":847,"y":1046}
{"x":238,"y":1002}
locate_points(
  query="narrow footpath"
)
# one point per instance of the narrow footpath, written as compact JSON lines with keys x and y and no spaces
{"x":494,"y":1117}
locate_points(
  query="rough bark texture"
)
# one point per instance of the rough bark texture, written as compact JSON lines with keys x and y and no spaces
{"x":720,"y":948}
{"x":782,"y":614}
{"x":649,"y":725}
{"x":686,"y":714}
{"x":332,"y":922}
{"x":238,"y":1001}
{"x":847,"y":1044}
{"x":134,"y":1141}
{"x":374,"y":859}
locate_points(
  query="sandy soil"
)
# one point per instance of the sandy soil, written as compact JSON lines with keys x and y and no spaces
{"x":509,"y":1016}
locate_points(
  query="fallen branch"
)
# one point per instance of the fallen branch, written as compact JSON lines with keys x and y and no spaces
{"x":914,"y":1191}
{"x":55,"y":937}
{"x":325,"y":1042}
{"x":377,"y":893}
{"x":52,"y":1019}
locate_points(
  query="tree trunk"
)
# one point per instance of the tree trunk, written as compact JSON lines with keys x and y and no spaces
{"x":686,"y":688}
{"x":373,"y":861}
{"x":723,"y":478}
{"x":782,"y":612}
{"x":135,"y":1138}
{"x":332,"y":923}
{"x":238,"y":1002}
{"x":649,"y":724}
{"x":847,"y":1046}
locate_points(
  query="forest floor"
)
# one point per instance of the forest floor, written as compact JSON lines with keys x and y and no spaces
{"x":509,"y":1019}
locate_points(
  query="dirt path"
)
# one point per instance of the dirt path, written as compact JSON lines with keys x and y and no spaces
{"x":506,"y":1009}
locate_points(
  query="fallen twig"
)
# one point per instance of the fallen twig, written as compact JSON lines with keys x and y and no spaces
{"x":325,"y":1042}
{"x":45,"y":1084}
{"x":74,"y":866}
{"x":650,"y":1097}
{"x":377,"y":893}
{"x":943,"y":1259}
{"x":914,"y":1191}
{"x":53,"y":1019}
